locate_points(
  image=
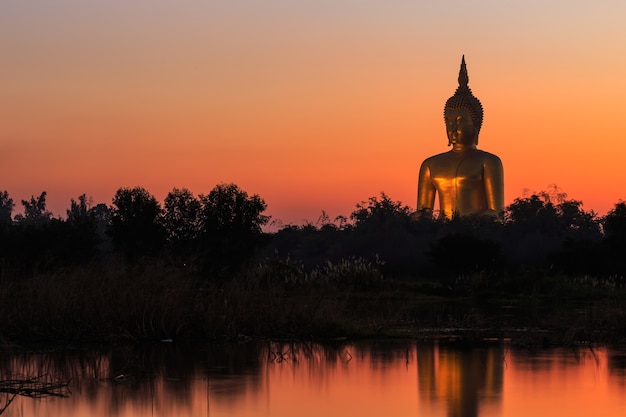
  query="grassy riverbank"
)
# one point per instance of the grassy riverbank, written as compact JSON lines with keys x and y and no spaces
{"x":201,"y":268}
{"x":152,"y":300}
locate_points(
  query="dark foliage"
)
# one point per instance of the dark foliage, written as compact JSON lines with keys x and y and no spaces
{"x":465,"y":254}
{"x":217,"y":234}
{"x":382,"y":232}
{"x":34,"y":210}
{"x":615,"y":226}
{"x":202,"y":267}
{"x":36,"y":242}
{"x":537,"y":229}
{"x":6,"y":209}
{"x":230,"y":231}
{"x":537,"y":232}
{"x":614,"y":244}
{"x":135,"y":229}
{"x":84,"y":229}
{"x":181,"y":219}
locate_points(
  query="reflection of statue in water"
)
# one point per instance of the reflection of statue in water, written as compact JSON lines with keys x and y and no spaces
{"x":464,"y":379}
{"x":467,"y":180}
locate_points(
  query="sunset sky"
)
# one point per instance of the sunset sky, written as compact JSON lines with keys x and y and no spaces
{"x":311,"y":104}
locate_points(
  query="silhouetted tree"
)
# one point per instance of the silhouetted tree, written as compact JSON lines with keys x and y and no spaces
{"x":577,"y":223}
{"x":548,"y":228}
{"x":101,"y":214}
{"x":45,"y":243}
{"x":309,"y":245}
{"x":615,"y":225}
{"x":34,"y":210}
{"x":81,"y":235}
{"x":384,"y":230}
{"x":6,"y":209}
{"x":532,"y":213}
{"x":78,"y":212}
{"x":227,"y":208}
{"x":581,"y":237}
{"x":532,"y":229}
{"x":181,"y":218}
{"x":379,"y":211}
{"x":464,"y":253}
{"x":37,"y":241}
{"x":135,"y":228}
{"x":230,"y":225}
{"x":614,"y":247}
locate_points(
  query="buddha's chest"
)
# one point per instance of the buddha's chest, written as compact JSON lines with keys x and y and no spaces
{"x":457,"y":173}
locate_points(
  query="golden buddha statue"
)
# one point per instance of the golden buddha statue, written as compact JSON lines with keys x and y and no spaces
{"x":468,"y":181}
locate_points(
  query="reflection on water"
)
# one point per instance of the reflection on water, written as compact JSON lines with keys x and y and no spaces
{"x":281,"y":379}
{"x":461,"y":378}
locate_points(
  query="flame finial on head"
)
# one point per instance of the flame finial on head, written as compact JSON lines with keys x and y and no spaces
{"x":463,"y":78}
{"x":464,"y":99}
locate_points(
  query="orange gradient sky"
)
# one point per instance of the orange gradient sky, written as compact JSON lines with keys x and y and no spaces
{"x":312,"y":104}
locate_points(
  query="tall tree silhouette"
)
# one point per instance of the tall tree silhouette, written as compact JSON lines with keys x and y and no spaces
{"x":35,"y":210}
{"x":181,"y":218}
{"x":38,"y":241}
{"x":615,"y":241}
{"x":6,"y":209}
{"x":379,"y":211}
{"x":81,"y":236}
{"x":383,"y":229}
{"x":615,"y":225}
{"x":135,"y":228}
{"x":230,"y":225}
{"x":547,"y":227}
{"x":227,"y":208}
{"x":79,"y":211}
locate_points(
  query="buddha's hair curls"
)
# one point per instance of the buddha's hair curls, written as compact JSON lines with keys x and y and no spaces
{"x":464,"y":99}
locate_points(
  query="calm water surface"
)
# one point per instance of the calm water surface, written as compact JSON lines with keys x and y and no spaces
{"x":352,"y":379}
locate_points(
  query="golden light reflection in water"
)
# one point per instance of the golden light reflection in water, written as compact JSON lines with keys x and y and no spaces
{"x":369,"y":379}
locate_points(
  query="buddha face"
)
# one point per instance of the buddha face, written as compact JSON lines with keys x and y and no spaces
{"x":460,"y":127}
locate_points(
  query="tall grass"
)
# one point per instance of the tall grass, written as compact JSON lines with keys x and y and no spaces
{"x":96,"y":303}
{"x":153,"y":299}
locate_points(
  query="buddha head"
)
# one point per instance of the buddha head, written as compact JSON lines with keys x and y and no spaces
{"x":461,"y":106}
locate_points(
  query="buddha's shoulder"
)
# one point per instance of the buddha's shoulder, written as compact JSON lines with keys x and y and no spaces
{"x":487,"y":155}
{"x":438,"y":157}
{"x":477,"y":155}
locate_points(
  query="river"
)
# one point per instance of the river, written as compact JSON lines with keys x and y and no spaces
{"x":441,"y":377}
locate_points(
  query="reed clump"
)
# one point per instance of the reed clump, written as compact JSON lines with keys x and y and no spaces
{"x":153,"y":299}
{"x":98,"y":303}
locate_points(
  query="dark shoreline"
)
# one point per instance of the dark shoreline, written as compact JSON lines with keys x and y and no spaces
{"x":151,"y":303}
{"x":200,"y":269}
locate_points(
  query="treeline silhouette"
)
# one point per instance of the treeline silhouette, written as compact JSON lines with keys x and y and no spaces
{"x":221,"y":234}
